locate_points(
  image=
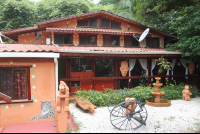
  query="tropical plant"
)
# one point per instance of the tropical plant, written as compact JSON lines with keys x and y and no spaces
{"x":163,"y":65}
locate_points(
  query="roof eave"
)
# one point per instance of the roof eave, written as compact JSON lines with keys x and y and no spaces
{"x":109,"y":52}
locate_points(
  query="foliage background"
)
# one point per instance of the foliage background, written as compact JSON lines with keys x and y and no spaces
{"x":177,"y":17}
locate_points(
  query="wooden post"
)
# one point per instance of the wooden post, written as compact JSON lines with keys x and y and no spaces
{"x":52,"y":37}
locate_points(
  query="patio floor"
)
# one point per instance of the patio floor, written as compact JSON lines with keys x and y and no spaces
{"x":38,"y":127}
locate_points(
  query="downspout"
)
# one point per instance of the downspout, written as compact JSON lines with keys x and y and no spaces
{"x":56,"y":75}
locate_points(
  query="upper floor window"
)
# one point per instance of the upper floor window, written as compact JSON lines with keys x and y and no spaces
{"x":63,"y":39}
{"x":88,"y":39}
{"x":93,"y":22}
{"x":109,"y":40}
{"x":130,"y":41}
{"x":152,"y":42}
{"x":106,"y":23}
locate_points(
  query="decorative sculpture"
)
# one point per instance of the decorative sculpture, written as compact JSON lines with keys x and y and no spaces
{"x":124,"y":68}
{"x":63,"y":97}
{"x":191,"y":67}
{"x":62,"y":107}
{"x":85,"y":104}
{"x":186,"y":93}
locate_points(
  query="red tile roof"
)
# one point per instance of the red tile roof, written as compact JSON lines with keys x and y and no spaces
{"x":97,"y":31}
{"x":20,"y":30}
{"x":113,"y":49}
{"x":28,"y":48}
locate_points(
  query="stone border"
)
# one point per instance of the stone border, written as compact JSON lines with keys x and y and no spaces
{"x":164,"y":102}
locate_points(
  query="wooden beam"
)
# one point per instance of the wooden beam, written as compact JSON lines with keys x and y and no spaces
{"x":7,"y":37}
{"x":117,"y":78}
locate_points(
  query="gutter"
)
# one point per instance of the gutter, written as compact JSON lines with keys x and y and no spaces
{"x":107,"y":52}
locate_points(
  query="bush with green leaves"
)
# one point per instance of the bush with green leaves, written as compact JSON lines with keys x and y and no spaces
{"x":101,"y":98}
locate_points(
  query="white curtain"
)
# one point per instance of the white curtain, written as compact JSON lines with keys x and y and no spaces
{"x":166,"y":60}
{"x":183,"y":62}
{"x":153,"y":64}
{"x":173,"y":64}
{"x":131,"y":66}
{"x":143,"y":63}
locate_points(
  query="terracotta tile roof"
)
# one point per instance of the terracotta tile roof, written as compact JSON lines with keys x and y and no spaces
{"x":113,"y":49}
{"x":85,"y":30}
{"x":28,"y":48}
{"x":102,"y":12}
{"x":20,"y":30}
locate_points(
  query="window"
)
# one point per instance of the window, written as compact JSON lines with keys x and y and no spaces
{"x":63,"y":38}
{"x":81,"y":65}
{"x":104,"y":67}
{"x":152,"y":42}
{"x":15,"y":82}
{"x":75,"y":84}
{"x":93,"y":22}
{"x":105,"y":23}
{"x":130,"y":41}
{"x":88,"y":39}
{"x":110,"y":40}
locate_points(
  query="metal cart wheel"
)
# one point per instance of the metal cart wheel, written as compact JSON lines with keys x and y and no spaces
{"x":134,"y":119}
{"x":119,"y":97}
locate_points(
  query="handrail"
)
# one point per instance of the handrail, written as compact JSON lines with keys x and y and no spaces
{"x":5,"y":97}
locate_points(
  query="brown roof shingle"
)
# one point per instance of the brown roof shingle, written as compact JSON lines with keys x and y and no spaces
{"x":113,"y":49}
{"x":28,"y":48}
{"x":97,"y":31}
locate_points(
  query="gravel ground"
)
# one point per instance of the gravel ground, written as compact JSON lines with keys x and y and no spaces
{"x":182,"y":116}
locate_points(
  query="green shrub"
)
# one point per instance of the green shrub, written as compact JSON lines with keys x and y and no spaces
{"x":99,"y":98}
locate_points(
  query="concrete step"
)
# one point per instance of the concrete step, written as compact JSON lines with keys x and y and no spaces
{"x":38,"y":127}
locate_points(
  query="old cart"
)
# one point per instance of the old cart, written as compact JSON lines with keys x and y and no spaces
{"x":129,"y":114}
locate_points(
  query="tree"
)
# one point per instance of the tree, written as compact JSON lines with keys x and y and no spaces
{"x":17,"y":14}
{"x":124,"y":8}
{"x":187,"y":28}
{"x":157,"y":13}
{"x":108,"y":2}
{"x":108,"y":8}
{"x":53,"y":9}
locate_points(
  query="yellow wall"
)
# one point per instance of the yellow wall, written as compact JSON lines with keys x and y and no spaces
{"x":42,"y":78}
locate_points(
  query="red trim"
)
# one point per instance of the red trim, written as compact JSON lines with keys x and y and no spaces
{"x":15,"y":66}
{"x":28,"y":84}
{"x":16,"y":101}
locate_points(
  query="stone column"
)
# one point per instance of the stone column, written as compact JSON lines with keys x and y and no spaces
{"x":62,"y":107}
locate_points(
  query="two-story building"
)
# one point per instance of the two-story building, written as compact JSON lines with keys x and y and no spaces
{"x":86,"y":52}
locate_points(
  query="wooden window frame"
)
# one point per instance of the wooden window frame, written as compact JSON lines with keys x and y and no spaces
{"x":131,"y":42}
{"x":99,"y":23}
{"x":88,"y":45}
{"x":154,"y":38}
{"x":88,"y":19}
{"x":111,"y":45}
{"x":63,"y":39}
{"x":27,"y":67}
